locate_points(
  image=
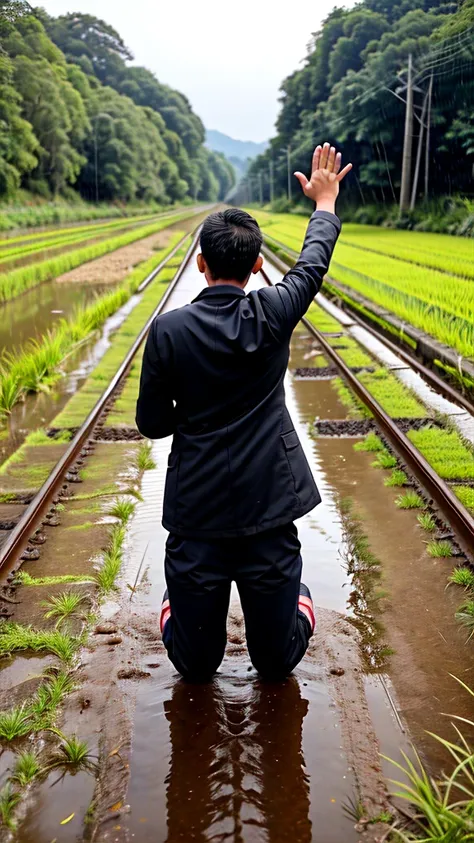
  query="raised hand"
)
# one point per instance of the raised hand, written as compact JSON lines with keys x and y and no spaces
{"x":326,"y":176}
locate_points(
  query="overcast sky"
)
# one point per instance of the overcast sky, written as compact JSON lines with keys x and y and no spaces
{"x":229,"y":58}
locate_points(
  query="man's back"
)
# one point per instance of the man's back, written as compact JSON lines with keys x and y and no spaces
{"x":213,"y":376}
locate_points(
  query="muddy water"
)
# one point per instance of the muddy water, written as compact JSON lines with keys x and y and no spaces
{"x":238,"y":759}
{"x":33,"y":313}
{"x":37,"y":310}
{"x":39,"y":409}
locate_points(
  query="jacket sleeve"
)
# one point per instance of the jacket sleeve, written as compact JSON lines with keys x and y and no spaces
{"x":287,"y":302}
{"x":155,"y":416}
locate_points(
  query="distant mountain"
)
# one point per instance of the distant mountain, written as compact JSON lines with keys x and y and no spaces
{"x":233,"y":148}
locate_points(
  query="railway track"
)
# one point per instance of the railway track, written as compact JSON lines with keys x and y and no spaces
{"x":19,"y":540}
{"x":423,"y":349}
{"x":61,"y":505}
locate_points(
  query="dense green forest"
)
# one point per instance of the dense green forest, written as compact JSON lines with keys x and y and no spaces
{"x":76,"y":118}
{"x":351,"y":91}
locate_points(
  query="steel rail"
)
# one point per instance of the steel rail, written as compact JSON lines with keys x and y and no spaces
{"x":454,"y":512}
{"x":439,"y":383}
{"x":20,"y":535}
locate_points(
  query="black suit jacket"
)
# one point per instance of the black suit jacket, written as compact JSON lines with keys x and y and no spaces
{"x":212,"y":375}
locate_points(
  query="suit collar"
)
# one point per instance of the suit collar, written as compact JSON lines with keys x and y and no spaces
{"x":228,"y":291}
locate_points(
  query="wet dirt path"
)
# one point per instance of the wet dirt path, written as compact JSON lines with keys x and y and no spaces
{"x":239,"y":759}
{"x":36,"y":310}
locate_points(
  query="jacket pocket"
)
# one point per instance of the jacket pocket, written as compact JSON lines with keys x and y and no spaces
{"x":290,"y":440}
{"x":171,"y":488}
{"x":296,"y":462}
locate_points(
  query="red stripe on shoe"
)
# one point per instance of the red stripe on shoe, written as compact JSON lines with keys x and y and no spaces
{"x":306,"y":600}
{"x":165,"y":616}
{"x":307,"y":612}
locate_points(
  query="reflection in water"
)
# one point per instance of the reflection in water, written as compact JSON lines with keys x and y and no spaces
{"x":237,"y":768}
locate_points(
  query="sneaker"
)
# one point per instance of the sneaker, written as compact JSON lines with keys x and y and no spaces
{"x":165,"y":612}
{"x":305,"y":606}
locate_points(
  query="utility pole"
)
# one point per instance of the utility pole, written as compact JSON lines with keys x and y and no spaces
{"x":407,"y":141}
{"x":428,"y":126}
{"x":418,"y":154}
{"x":288,"y":162}
{"x":260,"y":187}
{"x":271,"y":182}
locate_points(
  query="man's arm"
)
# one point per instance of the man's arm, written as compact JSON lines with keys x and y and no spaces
{"x":155,"y":416}
{"x":290,"y":299}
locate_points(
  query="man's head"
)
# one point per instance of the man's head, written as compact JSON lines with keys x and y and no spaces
{"x":230,"y":247}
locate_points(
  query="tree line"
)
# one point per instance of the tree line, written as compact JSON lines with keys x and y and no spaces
{"x":75,"y":117}
{"x":352,"y":91}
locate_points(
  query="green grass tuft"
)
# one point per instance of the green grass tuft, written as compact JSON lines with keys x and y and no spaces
{"x":122,"y":509}
{"x":370,"y":443}
{"x":384,"y":460}
{"x":73,"y":754}
{"x":26,"y":579}
{"x":15,"y":637}
{"x":62,"y":606}
{"x":112,"y":561}
{"x":465,"y":615}
{"x":426,"y":520}
{"x":145,"y":461}
{"x":464,"y":577}
{"x":9,"y":799}
{"x":26,"y":768}
{"x":15,"y":722}
{"x":439,"y":549}
{"x":397,"y":478}
{"x":410,"y":500}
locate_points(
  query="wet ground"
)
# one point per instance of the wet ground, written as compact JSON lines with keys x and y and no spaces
{"x":35,"y":311}
{"x":247,"y":761}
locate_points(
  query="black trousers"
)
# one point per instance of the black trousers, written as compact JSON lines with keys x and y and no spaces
{"x":267,"y":570}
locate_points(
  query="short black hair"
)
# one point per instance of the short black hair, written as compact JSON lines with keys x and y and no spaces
{"x":230,"y":244}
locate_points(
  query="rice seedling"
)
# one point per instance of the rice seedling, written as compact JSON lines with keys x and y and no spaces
{"x":426,"y":521}
{"x":62,"y":606}
{"x":35,"y":367}
{"x":464,"y":577}
{"x":48,"y":696}
{"x":112,"y":560}
{"x":397,"y":478}
{"x":26,"y":579}
{"x":26,"y":768}
{"x":14,"y":637}
{"x":72,"y":754}
{"x":413,"y":288}
{"x":11,"y":391}
{"x":465,"y":616}
{"x":356,"y":408}
{"x":15,"y":722}
{"x":145,"y":461}
{"x":371,"y":443}
{"x":384,"y":460}
{"x":24,"y":278}
{"x":54,"y":212}
{"x":439,"y":549}
{"x":465,"y":495}
{"x":122,"y":509}
{"x":442,"y":808}
{"x":9,"y":799}
{"x":445,"y":451}
{"x":410,"y":500}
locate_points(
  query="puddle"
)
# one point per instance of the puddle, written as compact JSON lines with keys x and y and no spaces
{"x":72,"y":796}
{"x":30,"y":315}
{"x":237,"y":760}
{"x":20,"y":668}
